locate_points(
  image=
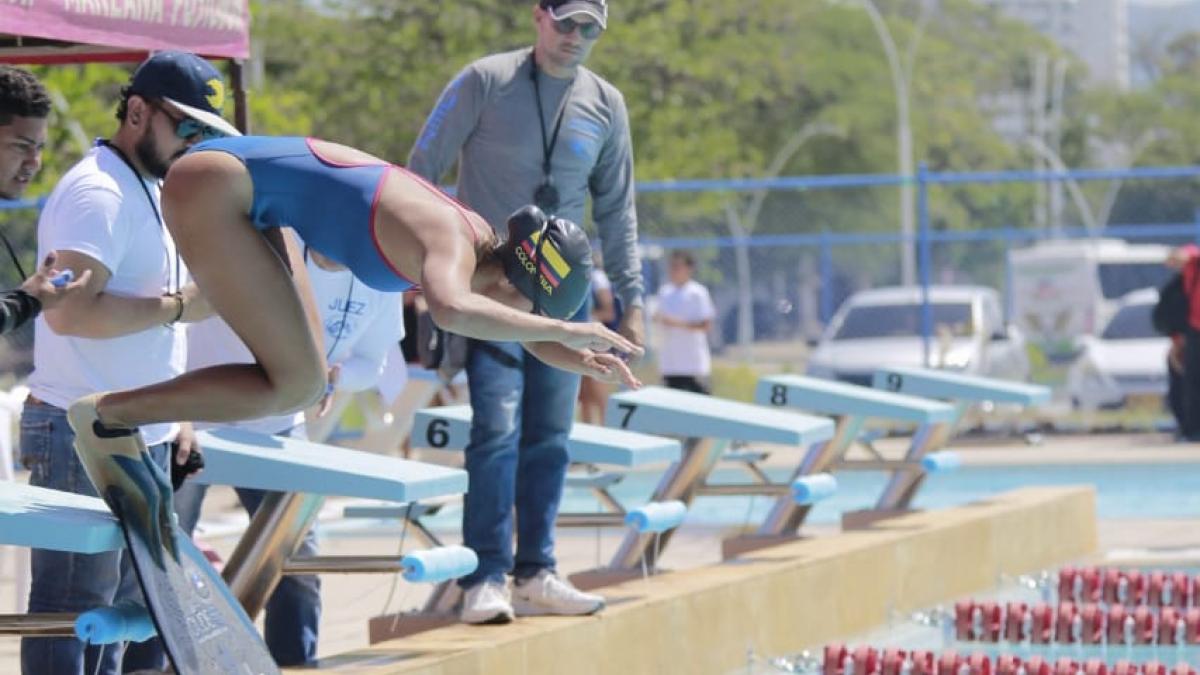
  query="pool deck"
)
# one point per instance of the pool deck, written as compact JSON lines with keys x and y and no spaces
{"x":350,"y":600}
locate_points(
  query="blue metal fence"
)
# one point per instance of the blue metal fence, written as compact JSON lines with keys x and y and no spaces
{"x":824,"y":243}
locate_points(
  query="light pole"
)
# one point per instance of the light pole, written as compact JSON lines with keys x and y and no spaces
{"x":1081,"y":203}
{"x":1126,"y":161}
{"x":901,"y":80}
{"x":741,"y":224}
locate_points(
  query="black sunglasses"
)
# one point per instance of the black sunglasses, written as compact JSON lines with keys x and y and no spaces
{"x":590,"y":30}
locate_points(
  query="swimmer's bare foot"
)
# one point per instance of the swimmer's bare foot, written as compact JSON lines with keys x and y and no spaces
{"x":118,"y":464}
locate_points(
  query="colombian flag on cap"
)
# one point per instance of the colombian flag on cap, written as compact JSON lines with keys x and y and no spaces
{"x":551,"y":263}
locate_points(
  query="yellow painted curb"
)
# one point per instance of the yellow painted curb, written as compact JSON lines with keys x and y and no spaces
{"x":774,"y":601}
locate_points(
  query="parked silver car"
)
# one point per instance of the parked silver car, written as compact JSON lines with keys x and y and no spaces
{"x":882,"y":327}
{"x":1126,"y":362}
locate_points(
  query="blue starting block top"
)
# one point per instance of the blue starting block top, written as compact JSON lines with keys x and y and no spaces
{"x":60,"y":521}
{"x":659,"y":410}
{"x":829,"y":397}
{"x":245,"y":459}
{"x":948,"y":385}
{"x":449,"y":428}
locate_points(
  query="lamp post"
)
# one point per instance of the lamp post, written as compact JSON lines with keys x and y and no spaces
{"x":741,"y":224}
{"x":1081,"y":203}
{"x":901,"y":74}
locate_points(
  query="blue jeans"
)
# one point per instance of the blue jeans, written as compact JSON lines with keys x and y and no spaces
{"x":293,"y":612}
{"x":69,"y":582}
{"x":517,"y":457}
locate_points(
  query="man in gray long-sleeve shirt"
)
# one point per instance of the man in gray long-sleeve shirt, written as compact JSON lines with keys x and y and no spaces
{"x":533,"y":126}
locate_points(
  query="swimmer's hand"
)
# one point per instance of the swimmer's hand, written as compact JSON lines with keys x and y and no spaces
{"x":50,"y":285}
{"x":610,"y":368}
{"x":596,"y":337}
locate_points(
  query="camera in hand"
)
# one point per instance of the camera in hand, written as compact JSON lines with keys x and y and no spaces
{"x":179,"y":472}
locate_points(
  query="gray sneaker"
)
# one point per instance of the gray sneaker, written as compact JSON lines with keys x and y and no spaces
{"x":548,"y":594}
{"x":488,"y":603}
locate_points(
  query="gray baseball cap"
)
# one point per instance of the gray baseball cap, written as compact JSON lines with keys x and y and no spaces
{"x":562,"y":9}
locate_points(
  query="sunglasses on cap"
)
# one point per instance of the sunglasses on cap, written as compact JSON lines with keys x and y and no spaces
{"x":589,"y":30}
{"x":187,"y":128}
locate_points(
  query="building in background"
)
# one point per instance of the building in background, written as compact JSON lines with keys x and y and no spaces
{"x":1096,"y":31}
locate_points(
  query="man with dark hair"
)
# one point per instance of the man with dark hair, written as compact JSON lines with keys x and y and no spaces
{"x":121,"y":330}
{"x":685,"y":312}
{"x":24,"y":109}
{"x":561,"y":132}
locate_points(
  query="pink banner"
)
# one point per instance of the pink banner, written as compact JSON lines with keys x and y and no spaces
{"x":214,"y":28}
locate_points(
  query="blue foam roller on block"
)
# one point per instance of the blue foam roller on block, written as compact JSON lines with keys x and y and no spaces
{"x":119,"y":623}
{"x":436,"y":565}
{"x":941,"y":462}
{"x":657,"y":516}
{"x":814,"y":488}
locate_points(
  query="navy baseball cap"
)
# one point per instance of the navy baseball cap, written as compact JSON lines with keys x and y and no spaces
{"x":562,"y":9}
{"x":189,"y":82}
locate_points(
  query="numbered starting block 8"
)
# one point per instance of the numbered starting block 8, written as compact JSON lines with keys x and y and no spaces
{"x":852,"y":406}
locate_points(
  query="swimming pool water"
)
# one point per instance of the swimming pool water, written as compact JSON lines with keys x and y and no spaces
{"x":1149,"y":491}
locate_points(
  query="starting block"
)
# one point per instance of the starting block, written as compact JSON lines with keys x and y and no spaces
{"x":852,"y":405}
{"x":963,"y":391}
{"x":449,"y":428}
{"x":711,"y":425}
{"x":298,"y":475}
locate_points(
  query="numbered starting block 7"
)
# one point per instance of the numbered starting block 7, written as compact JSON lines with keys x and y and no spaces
{"x":710,"y":425}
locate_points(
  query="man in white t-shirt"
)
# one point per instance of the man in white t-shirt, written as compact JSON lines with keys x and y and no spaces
{"x":120,"y":330}
{"x":685,"y":313}
{"x":361,"y":326}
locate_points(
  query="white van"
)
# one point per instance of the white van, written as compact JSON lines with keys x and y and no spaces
{"x":1064,"y":290}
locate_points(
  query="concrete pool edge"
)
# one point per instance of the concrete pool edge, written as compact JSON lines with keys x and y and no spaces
{"x":773,"y":601}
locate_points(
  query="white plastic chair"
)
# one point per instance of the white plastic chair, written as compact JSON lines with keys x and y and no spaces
{"x":10,"y":415}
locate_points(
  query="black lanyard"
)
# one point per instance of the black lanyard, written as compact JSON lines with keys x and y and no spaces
{"x":547,"y":144}
{"x":153,"y":207}
{"x":13,"y":254}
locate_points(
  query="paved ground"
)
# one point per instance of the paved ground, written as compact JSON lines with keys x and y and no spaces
{"x":350,"y":600}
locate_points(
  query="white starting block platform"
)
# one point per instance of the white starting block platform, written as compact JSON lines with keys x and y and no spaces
{"x":852,"y":405}
{"x":963,"y":391}
{"x":298,"y":472}
{"x":711,"y":426}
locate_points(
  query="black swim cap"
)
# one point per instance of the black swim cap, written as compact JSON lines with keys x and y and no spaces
{"x":549,"y":260}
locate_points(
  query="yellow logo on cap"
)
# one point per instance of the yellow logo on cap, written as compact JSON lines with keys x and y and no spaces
{"x":217,"y":98}
{"x":552,"y":256}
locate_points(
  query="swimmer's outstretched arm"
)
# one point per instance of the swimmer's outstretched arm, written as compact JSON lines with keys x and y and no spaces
{"x":446,"y":274}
